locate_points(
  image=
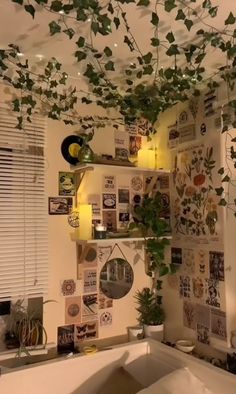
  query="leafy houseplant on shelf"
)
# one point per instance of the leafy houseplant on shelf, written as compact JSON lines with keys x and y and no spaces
{"x":149,"y":220}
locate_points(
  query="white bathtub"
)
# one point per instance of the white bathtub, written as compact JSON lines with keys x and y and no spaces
{"x":146,"y":360}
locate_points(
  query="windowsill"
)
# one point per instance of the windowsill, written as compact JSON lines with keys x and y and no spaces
{"x":33,"y":351}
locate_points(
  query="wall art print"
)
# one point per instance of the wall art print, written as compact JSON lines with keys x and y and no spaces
{"x":185,"y":286}
{"x":195,"y":204}
{"x":86,"y":330}
{"x":212,"y":292}
{"x":73,"y":310}
{"x":217,"y":266}
{"x":188,"y":265}
{"x":218,"y":324}
{"x":189,"y":315}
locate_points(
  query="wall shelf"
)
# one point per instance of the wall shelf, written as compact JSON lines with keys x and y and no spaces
{"x":80,"y":168}
{"x":113,"y":240}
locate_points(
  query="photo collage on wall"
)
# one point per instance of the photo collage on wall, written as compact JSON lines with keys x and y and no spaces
{"x":86,"y":307}
{"x":62,"y":205}
{"x":200,"y":283}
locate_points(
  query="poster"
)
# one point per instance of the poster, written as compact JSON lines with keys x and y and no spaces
{"x":66,"y":184}
{"x":109,"y":220}
{"x":106,"y":319}
{"x":90,"y":280}
{"x":121,"y":145}
{"x":189,"y":315}
{"x":218,"y":324}
{"x":89,"y":256}
{"x":95,"y":201}
{"x":65,"y":339}
{"x":89,"y":307}
{"x":109,"y":201}
{"x":196,"y":213}
{"x":216,"y":263}
{"x":123,"y":196}
{"x":135,"y":143}
{"x":109,"y":183}
{"x":73,"y":310}
{"x":86,"y":330}
{"x":59,"y":205}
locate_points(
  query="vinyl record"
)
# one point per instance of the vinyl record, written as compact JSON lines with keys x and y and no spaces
{"x":70,"y":148}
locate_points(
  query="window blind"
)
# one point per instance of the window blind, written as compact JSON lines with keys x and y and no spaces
{"x":23,"y":210}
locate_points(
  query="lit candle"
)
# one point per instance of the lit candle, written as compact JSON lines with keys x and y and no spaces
{"x":84,"y":231}
{"x":146,"y":158}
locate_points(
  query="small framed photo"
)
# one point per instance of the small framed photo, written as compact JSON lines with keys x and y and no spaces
{"x":59,"y":205}
{"x":66,"y":183}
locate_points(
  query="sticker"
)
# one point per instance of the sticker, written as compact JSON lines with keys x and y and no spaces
{"x":203,"y":129}
{"x":103,"y":252}
{"x":188,"y":259}
{"x":203,"y":334}
{"x":59,"y":205}
{"x":217,"y":265}
{"x":176,"y":256}
{"x":187,"y":133}
{"x":124,"y":217}
{"x":68,"y":287}
{"x":218,"y":324}
{"x":189,"y":315}
{"x":137,"y":183}
{"x":66,"y":184}
{"x":183,"y":117}
{"x":198,"y":287}
{"x":89,"y":256}
{"x":104,"y":302}
{"x":123,"y":196}
{"x":109,"y":183}
{"x":86,"y":330}
{"x":185,"y":286}
{"x":106,"y":319}
{"x":109,"y":220}
{"x":73,"y":310}
{"x":90,"y":281}
{"x":173,"y":139}
{"x":212,"y":293}
{"x":135,"y":143}
{"x":109,"y":201}
{"x":95,"y":201}
{"x":89,"y":307}
{"x":65,"y":338}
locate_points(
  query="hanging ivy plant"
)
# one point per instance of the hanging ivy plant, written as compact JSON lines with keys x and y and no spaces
{"x":146,"y":89}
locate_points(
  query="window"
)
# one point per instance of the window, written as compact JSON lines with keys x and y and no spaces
{"x":23,"y":212}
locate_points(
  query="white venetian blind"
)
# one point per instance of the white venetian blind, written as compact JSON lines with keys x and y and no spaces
{"x":23,"y":214}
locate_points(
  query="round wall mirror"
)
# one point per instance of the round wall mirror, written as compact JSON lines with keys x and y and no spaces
{"x":116,"y":278}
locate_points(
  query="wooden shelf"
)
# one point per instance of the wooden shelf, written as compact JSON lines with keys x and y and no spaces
{"x":92,"y":166}
{"x":113,"y":240}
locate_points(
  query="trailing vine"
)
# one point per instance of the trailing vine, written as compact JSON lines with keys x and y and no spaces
{"x":140,"y":89}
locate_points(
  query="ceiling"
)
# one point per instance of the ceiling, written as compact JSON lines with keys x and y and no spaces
{"x":32,"y":35}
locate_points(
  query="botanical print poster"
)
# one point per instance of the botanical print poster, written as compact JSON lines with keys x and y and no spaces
{"x":196,"y":213}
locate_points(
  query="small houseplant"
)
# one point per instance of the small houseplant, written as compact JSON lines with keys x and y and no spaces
{"x":24,"y":329}
{"x":151,"y":314}
{"x":148,"y":218}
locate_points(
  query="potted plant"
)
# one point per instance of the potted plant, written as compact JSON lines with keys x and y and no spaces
{"x":24,"y":329}
{"x":151,"y":314}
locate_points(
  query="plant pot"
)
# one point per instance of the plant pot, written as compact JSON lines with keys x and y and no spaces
{"x":155,"y":332}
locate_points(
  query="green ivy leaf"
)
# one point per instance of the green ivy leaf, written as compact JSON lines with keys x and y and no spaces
{"x":144,"y":3}
{"x":95,"y":27}
{"x":230,"y":20}
{"x":169,"y":5}
{"x":200,"y":58}
{"x":155,"y":42}
{"x":109,"y":66}
{"x":116,"y":21}
{"x":219,"y":191}
{"x":69,"y":32}
{"x":30,"y":9}
{"x":56,"y":6}
{"x":188,"y":23}
{"x":163,"y":270}
{"x":107,"y":51}
{"x":54,"y":28}
{"x":80,"y":55}
{"x":80,"y":42}
{"x":147,"y":58}
{"x":170,"y":37}
{"x":226,"y":179}
{"x":222,"y":202}
{"x":139,"y":74}
{"x":180,"y":15}
{"x":18,"y":1}
{"x":147,"y":70}
{"x":155,"y":19}
{"x":173,"y":50}
{"x":221,"y":171}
